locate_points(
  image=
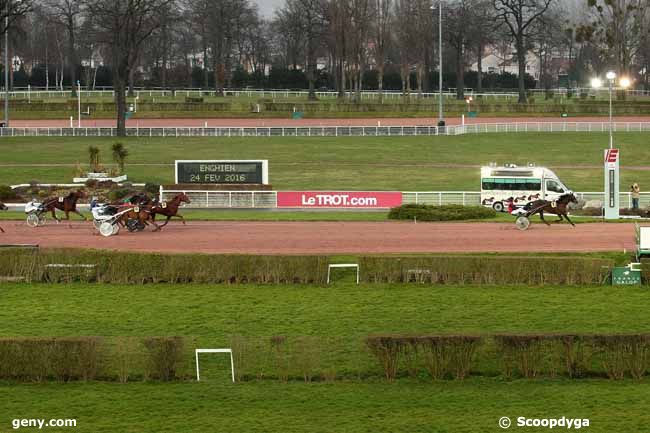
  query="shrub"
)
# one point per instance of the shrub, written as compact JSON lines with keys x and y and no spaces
{"x":386,"y":349}
{"x":165,"y":355}
{"x":38,"y":359}
{"x":523,"y":352}
{"x":119,"y":155}
{"x":152,"y":188}
{"x":137,"y":268}
{"x":93,"y":159}
{"x":6,"y":193}
{"x":280,"y":355}
{"x":467,"y":269}
{"x":118,"y":194}
{"x":440,"y":213}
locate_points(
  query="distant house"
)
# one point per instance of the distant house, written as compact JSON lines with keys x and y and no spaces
{"x":496,"y":61}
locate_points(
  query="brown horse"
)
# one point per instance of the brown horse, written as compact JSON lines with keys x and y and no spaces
{"x":66,"y":204}
{"x":169,"y":209}
{"x":3,"y":207}
{"x":137,"y":218}
{"x":557,"y":207}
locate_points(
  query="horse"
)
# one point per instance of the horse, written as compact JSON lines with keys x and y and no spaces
{"x":169,"y":209}
{"x":136,"y":218}
{"x":3,"y":207}
{"x":66,"y":204}
{"x":557,"y":207}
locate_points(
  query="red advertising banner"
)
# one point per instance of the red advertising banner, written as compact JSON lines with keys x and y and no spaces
{"x":338,"y":199}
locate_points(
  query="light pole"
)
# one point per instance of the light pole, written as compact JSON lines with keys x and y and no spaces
{"x":611,"y":78}
{"x":7,"y":66}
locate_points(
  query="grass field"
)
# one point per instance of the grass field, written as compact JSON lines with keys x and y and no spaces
{"x":408,"y":407}
{"x":354,"y":163}
{"x":212,"y":313}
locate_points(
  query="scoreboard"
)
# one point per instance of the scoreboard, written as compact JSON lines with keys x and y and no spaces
{"x":223,"y":172}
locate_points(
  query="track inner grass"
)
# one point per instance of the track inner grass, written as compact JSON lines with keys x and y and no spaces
{"x":212,"y":313}
{"x":455,"y":407}
{"x":347,"y":163}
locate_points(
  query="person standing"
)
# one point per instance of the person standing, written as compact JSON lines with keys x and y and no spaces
{"x":636,"y":195}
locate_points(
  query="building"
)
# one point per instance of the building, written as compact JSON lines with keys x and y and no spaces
{"x":497,"y":61}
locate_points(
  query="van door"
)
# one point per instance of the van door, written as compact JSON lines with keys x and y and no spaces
{"x":553,"y":189}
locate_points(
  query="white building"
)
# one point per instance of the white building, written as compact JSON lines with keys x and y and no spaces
{"x":495,"y":61}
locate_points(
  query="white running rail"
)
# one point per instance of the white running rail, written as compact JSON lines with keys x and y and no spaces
{"x":332,"y":131}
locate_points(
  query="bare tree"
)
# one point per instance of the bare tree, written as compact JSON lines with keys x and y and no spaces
{"x":519,"y":17}
{"x":406,"y":34}
{"x":13,"y":10}
{"x":621,"y":26}
{"x":124,"y":26}
{"x":482,"y":32}
{"x":381,"y":38}
{"x":68,"y":12}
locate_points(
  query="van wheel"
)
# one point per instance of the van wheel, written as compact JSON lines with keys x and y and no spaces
{"x":498,"y":206}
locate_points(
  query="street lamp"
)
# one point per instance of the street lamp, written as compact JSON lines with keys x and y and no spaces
{"x":441,"y":120}
{"x":7,"y":66}
{"x":624,"y":83}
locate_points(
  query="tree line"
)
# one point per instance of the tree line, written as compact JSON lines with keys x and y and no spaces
{"x":348,"y":45}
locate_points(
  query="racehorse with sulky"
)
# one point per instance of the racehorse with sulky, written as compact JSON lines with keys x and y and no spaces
{"x":65,"y":204}
{"x":145,"y":211}
{"x":558,"y":207}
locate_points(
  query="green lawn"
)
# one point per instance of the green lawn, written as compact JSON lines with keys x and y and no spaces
{"x":212,"y":313}
{"x":354,"y":163}
{"x":408,"y":407}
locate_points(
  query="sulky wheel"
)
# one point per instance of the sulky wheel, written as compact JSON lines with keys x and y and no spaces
{"x":522,"y":223}
{"x":106,"y":229}
{"x":33,"y":220}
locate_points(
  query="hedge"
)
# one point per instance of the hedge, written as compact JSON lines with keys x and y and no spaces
{"x":313,"y":358}
{"x":421,"y":212}
{"x":467,"y":269}
{"x":65,"y":359}
{"x":137,"y":268}
{"x":527,"y":356}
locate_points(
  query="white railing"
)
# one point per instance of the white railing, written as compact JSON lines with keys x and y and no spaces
{"x":331,"y":131}
{"x":268,"y":199}
{"x":225,"y":199}
{"x":473,"y":198}
{"x":42,"y":93}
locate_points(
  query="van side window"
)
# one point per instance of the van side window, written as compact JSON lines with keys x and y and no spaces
{"x":553,"y":186}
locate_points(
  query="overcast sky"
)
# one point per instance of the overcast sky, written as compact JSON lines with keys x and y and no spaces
{"x":267,"y":6}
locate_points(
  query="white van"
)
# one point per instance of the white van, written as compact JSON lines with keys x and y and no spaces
{"x":523,"y":184}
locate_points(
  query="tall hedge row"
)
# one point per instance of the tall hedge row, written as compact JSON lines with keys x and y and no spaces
{"x":37,"y":359}
{"x":463,"y":269}
{"x":139,"y":268}
{"x":528,"y":356}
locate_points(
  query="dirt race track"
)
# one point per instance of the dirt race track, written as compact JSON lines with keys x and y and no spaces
{"x":332,"y":237}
